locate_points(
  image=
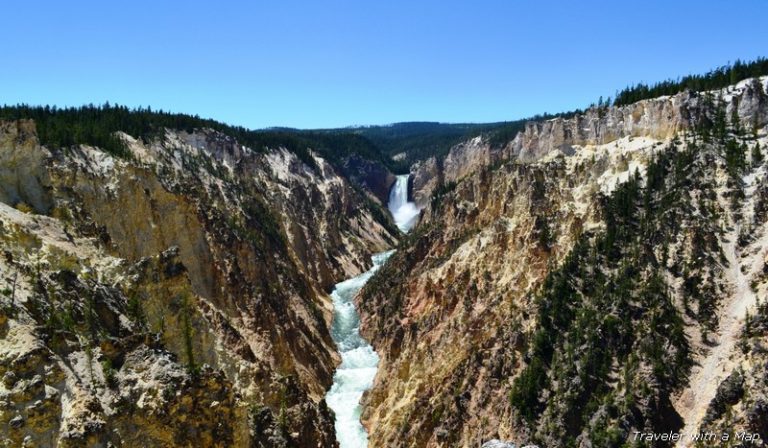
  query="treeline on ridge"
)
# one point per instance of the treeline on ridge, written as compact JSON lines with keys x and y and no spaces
{"x":96,"y":125}
{"x":714,"y":79}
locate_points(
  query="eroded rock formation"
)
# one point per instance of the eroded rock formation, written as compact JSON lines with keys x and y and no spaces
{"x":586,"y":280}
{"x":175,"y":298}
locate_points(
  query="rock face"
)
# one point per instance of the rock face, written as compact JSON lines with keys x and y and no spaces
{"x":426,"y":177}
{"x":589,"y":279}
{"x":595,"y":276}
{"x":373,"y":175}
{"x":659,"y":118}
{"x":22,"y":175}
{"x":177,"y":298}
{"x":461,"y":160}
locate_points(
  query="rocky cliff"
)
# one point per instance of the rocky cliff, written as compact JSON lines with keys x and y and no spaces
{"x":589,"y":279}
{"x":176,"y":297}
{"x":658,"y":118}
{"x":373,"y":175}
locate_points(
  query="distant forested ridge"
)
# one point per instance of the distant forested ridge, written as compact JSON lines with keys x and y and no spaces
{"x":397,"y":145}
{"x":96,"y":125}
{"x":421,"y":140}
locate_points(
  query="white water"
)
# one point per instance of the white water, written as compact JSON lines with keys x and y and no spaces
{"x":404,"y":212}
{"x":358,"y":359}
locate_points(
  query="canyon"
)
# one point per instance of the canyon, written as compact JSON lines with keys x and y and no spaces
{"x":594,"y":275}
{"x":470,"y":351}
{"x":182,"y":292}
{"x":359,"y":361}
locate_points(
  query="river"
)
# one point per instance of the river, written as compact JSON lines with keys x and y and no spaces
{"x":359,"y":360}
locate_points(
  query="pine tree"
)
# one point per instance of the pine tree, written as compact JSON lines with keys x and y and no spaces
{"x":187,"y":334}
{"x":757,"y":155}
{"x":734,"y":72}
{"x":720,"y":126}
{"x":735,"y":156}
{"x":735,"y":121}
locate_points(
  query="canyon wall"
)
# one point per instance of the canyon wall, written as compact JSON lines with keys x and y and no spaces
{"x":659,"y":118}
{"x":178,"y":297}
{"x":586,"y":280}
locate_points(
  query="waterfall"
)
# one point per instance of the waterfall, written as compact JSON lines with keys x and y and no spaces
{"x":358,"y":359}
{"x":404,"y":212}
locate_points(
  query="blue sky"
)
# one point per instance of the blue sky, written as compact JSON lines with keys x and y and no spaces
{"x":338,"y":63}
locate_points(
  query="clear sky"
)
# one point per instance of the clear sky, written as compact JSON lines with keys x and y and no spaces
{"x":332,"y":63}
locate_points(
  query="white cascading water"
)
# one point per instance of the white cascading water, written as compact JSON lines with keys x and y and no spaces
{"x":404,"y":212}
{"x":358,"y":359}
